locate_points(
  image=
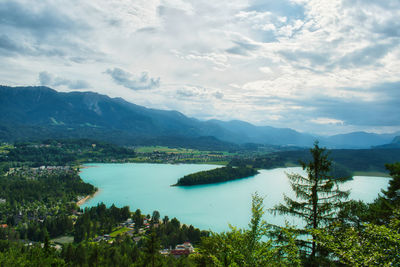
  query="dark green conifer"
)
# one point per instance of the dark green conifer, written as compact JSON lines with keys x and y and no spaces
{"x":318,"y":196}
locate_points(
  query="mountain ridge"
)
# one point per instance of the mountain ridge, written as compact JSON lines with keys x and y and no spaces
{"x":38,"y":111}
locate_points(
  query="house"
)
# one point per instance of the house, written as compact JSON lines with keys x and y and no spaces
{"x":164,"y":252}
{"x":98,"y":239}
{"x":130,"y":233}
{"x":188,"y":246}
{"x":137,"y":238}
{"x":182,"y":250}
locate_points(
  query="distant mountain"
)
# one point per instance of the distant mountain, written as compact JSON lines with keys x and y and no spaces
{"x":32,"y":113}
{"x":40,"y":112}
{"x":246,"y":132}
{"x":394,"y":144}
{"x":396,"y":140}
{"x":356,"y":140}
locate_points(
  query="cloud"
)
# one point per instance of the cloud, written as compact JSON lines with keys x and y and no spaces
{"x":367,"y":56}
{"x":134,"y":82}
{"x":198,"y":92}
{"x":48,"y":79}
{"x":45,"y":29}
{"x":242,"y":48}
{"x":289,"y":63}
{"x":218,"y":95}
{"x":39,"y":17}
{"x":219,"y":60}
{"x":186,"y":92}
{"x":326,"y":121}
{"x":9,"y":47}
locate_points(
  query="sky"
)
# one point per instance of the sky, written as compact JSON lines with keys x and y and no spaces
{"x":319,"y":66}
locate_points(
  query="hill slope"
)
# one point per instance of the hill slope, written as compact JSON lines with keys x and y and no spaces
{"x":28,"y":113}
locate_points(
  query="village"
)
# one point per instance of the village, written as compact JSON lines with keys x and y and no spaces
{"x":128,"y":228}
{"x":166,"y":155}
{"x":34,"y":172}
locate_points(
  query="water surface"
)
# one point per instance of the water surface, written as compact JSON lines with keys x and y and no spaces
{"x":147,"y":186}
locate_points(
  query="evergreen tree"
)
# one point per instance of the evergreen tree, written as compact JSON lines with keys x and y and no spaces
{"x":151,"y":249}
{"x":381,"y":210}
{"x":371,"y":245}
{"x":246,"y":247}
{"x":318,"y":196}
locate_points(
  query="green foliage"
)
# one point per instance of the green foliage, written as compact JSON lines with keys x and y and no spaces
{"x":17,"y":254}
{"x":318,"y":196}
{"x":218,"y":175}
{"x":151,"y":249}
{"x":367,"y":235}
{"x":172,"y":233}
{"x":353,"y":214}
{"x":345,"y":162}
{"x":41,"y":204}
{"x":246,"y":247}
{"x":67,"y":186}
{"x":98,"y":220}
{"x":393,"y":191}
{"x":65,"y":152}
{"x":373,"y":245}
{"x":381,"y":210}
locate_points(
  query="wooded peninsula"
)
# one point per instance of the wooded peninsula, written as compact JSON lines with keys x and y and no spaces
{"x":218,"y":175}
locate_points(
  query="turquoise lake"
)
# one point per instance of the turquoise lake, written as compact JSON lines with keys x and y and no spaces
{"x":147,"y":187}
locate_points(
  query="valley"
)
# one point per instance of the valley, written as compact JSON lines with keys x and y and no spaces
{"x":231,"y":172}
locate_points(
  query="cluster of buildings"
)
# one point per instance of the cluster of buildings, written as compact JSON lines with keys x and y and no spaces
{"x":179,"y":250}
{"x":42,"y":170}
{"x":172,"y":157}
{"x":184,"y":249}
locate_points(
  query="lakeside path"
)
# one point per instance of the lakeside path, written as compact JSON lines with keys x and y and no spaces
{"x":83,"y":200}
{"x":81,"y":167}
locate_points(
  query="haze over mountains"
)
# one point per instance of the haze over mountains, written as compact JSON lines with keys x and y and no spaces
{"x":40,"y":112}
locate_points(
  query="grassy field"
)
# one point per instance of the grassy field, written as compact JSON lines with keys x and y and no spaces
{"x":5,"y":148}
{"x":63,"y":240}
{"x":151,"y":149}
{"x":119,"y":231}
{"x":372,"y":173}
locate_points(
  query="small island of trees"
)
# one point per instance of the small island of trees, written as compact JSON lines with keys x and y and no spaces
{"x":218,"y":175}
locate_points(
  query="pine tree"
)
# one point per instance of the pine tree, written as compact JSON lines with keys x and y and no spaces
{"x":318,"y":195}
{"x":381,"y":210}
{"x":151,"y":249}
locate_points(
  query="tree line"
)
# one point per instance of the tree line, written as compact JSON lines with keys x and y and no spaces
{"x":218,"y":175}
{"x":336,"y":232}
{"x":55,"y":152}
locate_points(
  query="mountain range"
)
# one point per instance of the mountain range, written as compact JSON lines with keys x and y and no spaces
{"x":31,"y":113}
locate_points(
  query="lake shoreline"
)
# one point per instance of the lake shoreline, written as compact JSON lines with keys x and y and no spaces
{"x":208,"y":207}
{"x":85,"y":199}
{"x":83,"y":166}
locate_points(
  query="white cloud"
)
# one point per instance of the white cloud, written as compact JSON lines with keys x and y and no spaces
{"x":327,"y":121}
{"x":132,"y":81}
{"x":285,"y":63}
{"x":49,"y":79}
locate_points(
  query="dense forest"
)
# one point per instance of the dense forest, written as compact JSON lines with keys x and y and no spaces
{"x":63,"y":152}
{"x":47,"y":187}
{"x":38,"y":204}
{"x":345,"y":162}
{"x":218,"y":175}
